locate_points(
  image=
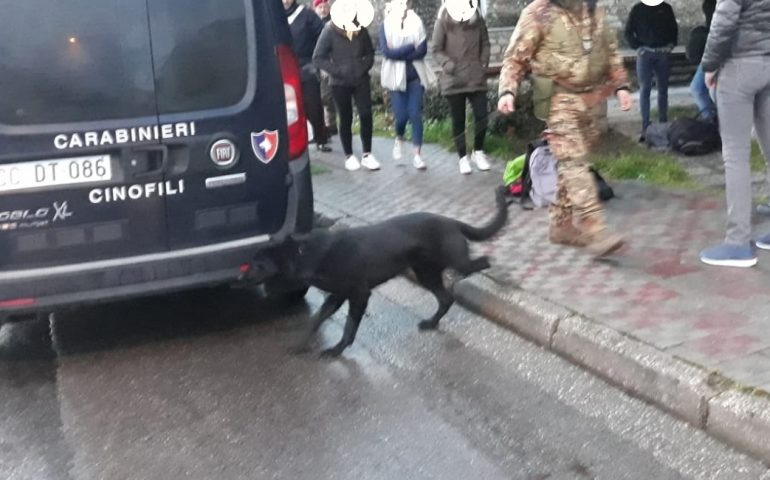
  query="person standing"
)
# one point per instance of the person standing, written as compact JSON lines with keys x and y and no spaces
{"x":571,"y":52}
{"x":322,"y":9}
{"x":404,"y":44}
{"x":697,"y":44}
{"x":652,"y":31}
{"x":348,"y":56}
{"x":462,"y":50}
{"x":305,"y":29}
{"x":735,"y":62}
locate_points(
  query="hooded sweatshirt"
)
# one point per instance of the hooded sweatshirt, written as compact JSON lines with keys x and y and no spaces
{"x":462,"y":51}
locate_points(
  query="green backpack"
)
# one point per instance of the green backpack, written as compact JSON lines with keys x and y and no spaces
{"x":513,"y":170}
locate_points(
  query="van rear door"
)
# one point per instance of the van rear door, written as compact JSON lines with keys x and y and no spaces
{"x":81,"y":164}
{"x":216,"y":68}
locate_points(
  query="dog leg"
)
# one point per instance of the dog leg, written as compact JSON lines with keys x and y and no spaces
{"x":430,"y":278}
{"x":473,"y":266}
{"x":357,"y":306}
{"x":331,"y":304}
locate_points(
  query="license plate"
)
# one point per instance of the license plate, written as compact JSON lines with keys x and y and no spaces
{"x":55,"y":173}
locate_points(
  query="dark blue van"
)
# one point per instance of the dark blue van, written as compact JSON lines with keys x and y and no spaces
{"x":146,"y":146}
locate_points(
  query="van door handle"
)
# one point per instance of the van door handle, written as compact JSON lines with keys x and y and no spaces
{"x":155,"y":160}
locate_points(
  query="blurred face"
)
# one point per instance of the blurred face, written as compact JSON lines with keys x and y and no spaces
{"x":322,"y":10}
{"x":287,"y":4}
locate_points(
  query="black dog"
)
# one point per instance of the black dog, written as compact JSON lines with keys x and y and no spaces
{"x":350,"y":263}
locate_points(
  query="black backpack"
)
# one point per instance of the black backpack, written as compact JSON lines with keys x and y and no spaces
{"x":694,"y":136}
{"x":696,"y":44}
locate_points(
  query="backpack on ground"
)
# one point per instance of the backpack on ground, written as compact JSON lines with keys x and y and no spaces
{"x":656,"y":137}
{"x":694,"y":136}
{"x":537,"y":184}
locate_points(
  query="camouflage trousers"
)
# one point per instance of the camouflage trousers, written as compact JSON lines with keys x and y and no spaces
{"x":574,"y":133}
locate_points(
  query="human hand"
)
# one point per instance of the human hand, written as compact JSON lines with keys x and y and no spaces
{"x":625,"y":99}
{"x":506,"y":104}
{"x":711,"y":79}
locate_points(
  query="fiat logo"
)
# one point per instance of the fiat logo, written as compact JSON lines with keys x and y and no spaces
{"x":224,"y":153}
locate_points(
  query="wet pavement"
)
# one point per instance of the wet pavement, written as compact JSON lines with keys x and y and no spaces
{"x":203,"y":385}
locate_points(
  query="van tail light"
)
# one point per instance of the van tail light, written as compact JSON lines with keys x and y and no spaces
{"x":295,"y":110}
{"x":17,"y":303}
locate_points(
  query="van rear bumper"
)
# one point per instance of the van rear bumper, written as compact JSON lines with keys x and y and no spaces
{"x":32,"y":291}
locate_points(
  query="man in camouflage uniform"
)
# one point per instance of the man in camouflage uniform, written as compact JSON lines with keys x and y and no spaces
{"x":571,"y":52}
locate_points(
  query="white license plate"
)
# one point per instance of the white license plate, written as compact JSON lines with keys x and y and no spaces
{"x":55,"y":173}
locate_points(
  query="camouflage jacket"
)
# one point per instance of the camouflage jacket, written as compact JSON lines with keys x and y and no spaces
{"x":576,"y":51}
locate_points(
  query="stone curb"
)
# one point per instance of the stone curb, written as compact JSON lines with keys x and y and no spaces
{"x":702,"y":398}
{"x":692,"y":393}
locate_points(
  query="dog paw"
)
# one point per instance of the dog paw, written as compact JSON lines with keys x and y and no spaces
{"x":427,"y":325}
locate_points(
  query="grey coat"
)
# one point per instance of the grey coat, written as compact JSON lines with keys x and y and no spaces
{"x":462,"y":51}
{"x":739,"y":28}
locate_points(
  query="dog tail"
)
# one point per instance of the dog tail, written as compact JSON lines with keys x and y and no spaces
{"x":486,"y":232}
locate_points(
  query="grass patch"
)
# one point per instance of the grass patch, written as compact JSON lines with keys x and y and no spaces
{"x":618,"y":157}
{"x":621,"y":158}
{"x":316,"y":169}
{"x":757,"y":159}
{"x":678,"y":111}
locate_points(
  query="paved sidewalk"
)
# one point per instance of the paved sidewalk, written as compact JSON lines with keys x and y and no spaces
{"x":691,"y":339}
{"x":655,"y":289}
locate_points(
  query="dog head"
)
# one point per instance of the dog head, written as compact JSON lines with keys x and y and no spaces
{"x":298,"y":256}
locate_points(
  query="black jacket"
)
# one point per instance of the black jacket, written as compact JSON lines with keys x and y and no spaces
{"x":347,"y":61}
{"x":652,"y":27}
{"x":305,"y":29}
{"x":740,"y":29}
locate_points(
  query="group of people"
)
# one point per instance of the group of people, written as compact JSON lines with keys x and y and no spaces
{"x":652,"y":31}
{"x":731,"y":49}
{"x":336,"y":62}
{"x":570,"y":51}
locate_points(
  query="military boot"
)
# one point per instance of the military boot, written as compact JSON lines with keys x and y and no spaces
{"x":602,"y":241}
{"x":567,"y":234}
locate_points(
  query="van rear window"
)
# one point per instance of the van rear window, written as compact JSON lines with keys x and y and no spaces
{"x":86,"y":60}
{"x":200,"y":51}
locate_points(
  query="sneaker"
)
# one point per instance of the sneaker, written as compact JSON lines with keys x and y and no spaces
{"x":465,"y":166}
{"x":481,"y":160}
{"x":368,"y":161}
{"x":397,"y":146}
{"x":726,"y":255}
{"x":323,"y":147}
{"x":418,"y":163}
{"x":352,"y":164}
{"x":763,"y":242}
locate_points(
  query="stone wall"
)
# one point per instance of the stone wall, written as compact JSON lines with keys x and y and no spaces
{"x":502,"y":16}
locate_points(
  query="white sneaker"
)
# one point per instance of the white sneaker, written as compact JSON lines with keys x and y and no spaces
{"x":368,"y":161}
{"x":397,"y":146}
{"x":352,"y":164}
{"x":465,"y":166}
{"x":481,"y":160}
{"x":418,"y":163}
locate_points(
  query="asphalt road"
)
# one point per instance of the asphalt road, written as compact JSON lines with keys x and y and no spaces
{"x":203,"y":386}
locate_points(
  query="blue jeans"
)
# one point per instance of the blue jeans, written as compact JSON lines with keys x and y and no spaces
{"x":407,"y":107}
{"x":700,"y":93}
{"x":647,"y":64}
